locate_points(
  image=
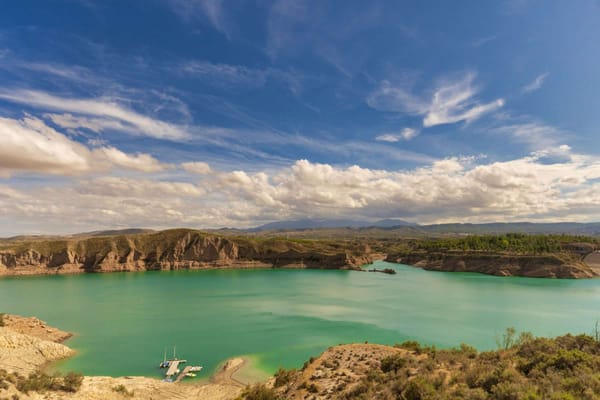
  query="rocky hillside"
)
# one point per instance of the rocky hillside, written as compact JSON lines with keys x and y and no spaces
{"x":524,"y":368}
{"x":538,"y":256}
{"x":534,"y":266}
{"x":174,"y":249}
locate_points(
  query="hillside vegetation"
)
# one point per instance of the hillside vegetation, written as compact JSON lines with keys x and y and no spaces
{"x":524,"y":368}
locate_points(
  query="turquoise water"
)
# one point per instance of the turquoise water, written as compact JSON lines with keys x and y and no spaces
{"x":123,"y":321}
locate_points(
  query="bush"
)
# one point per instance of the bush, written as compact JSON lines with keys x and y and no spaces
{"x":283,"y":376}
{"x":259,"y":392}
{"x":411,"y":345}
{"x":123,"y":390}
{"x":392,"y":363}
{"x":2,"y":323}
{"x":41,"y":382}
{"x":72,"y":382}
{"x":418,"y":389}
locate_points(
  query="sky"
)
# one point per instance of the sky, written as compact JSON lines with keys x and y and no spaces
{"x":234,"y":113}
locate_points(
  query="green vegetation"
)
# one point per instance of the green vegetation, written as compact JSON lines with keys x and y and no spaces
{"x":283,"y":376}
{"x":510,"y":242}
{"x":41,"y":382}
{"x":260,"y":392}
{"x":121,"y":389}
{"x":524,"y":367}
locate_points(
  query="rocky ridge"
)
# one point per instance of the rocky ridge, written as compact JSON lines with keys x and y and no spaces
{"x":172,"y":250}
{"x":534,"y":266}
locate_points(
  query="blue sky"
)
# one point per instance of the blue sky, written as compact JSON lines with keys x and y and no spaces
{"x":208,"y":113}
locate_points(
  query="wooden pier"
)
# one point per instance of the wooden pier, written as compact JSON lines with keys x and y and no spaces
{"x":174,"y":367}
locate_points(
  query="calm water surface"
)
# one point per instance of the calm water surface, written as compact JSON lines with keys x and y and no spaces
{"x":282,"y":317}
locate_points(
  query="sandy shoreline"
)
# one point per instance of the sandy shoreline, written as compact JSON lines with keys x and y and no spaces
{"x":28,"y":345}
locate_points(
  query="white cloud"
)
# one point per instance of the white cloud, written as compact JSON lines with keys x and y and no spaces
{"x":198,"y":167}
{"x":139,"y":162}
{"x":453,"y":189}
{"x":405,"y":134}
{"x":29,"y":145}
{"x":452,"y":101}
{"x":106,"y":114}
{"x":536,"y":83}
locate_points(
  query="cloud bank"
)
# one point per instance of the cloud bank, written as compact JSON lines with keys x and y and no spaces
{"x":550,"y":185}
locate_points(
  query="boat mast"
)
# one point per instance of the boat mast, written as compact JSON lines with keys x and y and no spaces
{"x":165,"y":355}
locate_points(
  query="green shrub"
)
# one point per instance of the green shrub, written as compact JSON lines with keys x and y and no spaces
{"x":418,"y":389}
{"x":283,"y":376}
{"x":72,"y":382}
{"x":259,"y":392}
{"x":121,"y":389}
{"x":392,"y":363}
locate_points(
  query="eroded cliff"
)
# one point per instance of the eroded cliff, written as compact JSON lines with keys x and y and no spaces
{"x":174,"y":249}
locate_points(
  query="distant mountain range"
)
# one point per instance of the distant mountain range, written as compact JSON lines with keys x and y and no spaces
{"x":384,"y":227}
{"x":572,"y":228}
{"x":308,"y":223}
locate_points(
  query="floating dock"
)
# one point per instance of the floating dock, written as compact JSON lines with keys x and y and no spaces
{"x":173,"y":368}
{"x":173,"y":373}
{"x":183,"y":373}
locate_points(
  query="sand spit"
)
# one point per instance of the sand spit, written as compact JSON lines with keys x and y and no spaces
{"x":28,"y":344}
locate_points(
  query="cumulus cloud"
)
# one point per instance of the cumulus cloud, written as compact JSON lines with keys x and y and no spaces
{"x":447,"y":189}
{"x":404,"y":134}
{"x":29,"y":145}
{"x":452,"y":101}
{"x":536,"y":84}
{"x":96,"y":114}
{"x":453,"y":189}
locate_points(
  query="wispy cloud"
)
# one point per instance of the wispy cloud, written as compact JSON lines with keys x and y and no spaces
{"x":536,"y":84}
{"x":453,"y":100}
{"x":105,"y":112}
{"x":404,"y":134}
{"x":212,"y":10}
{"x":535,"y":134}
{"x":483,"y":41}
{"x":239,"y":75}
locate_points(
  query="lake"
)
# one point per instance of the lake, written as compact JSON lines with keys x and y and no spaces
{"x":124,"y":321}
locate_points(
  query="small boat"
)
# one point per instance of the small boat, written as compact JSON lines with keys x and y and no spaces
{"x":190,"y":374}
{"x":195,"y":369}
{"x":164,"y":363}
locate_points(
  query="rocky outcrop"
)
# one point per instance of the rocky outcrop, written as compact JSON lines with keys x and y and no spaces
{"x":535,"y":266}
{"x":25,"y":353}
{"x":172,"y":250}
